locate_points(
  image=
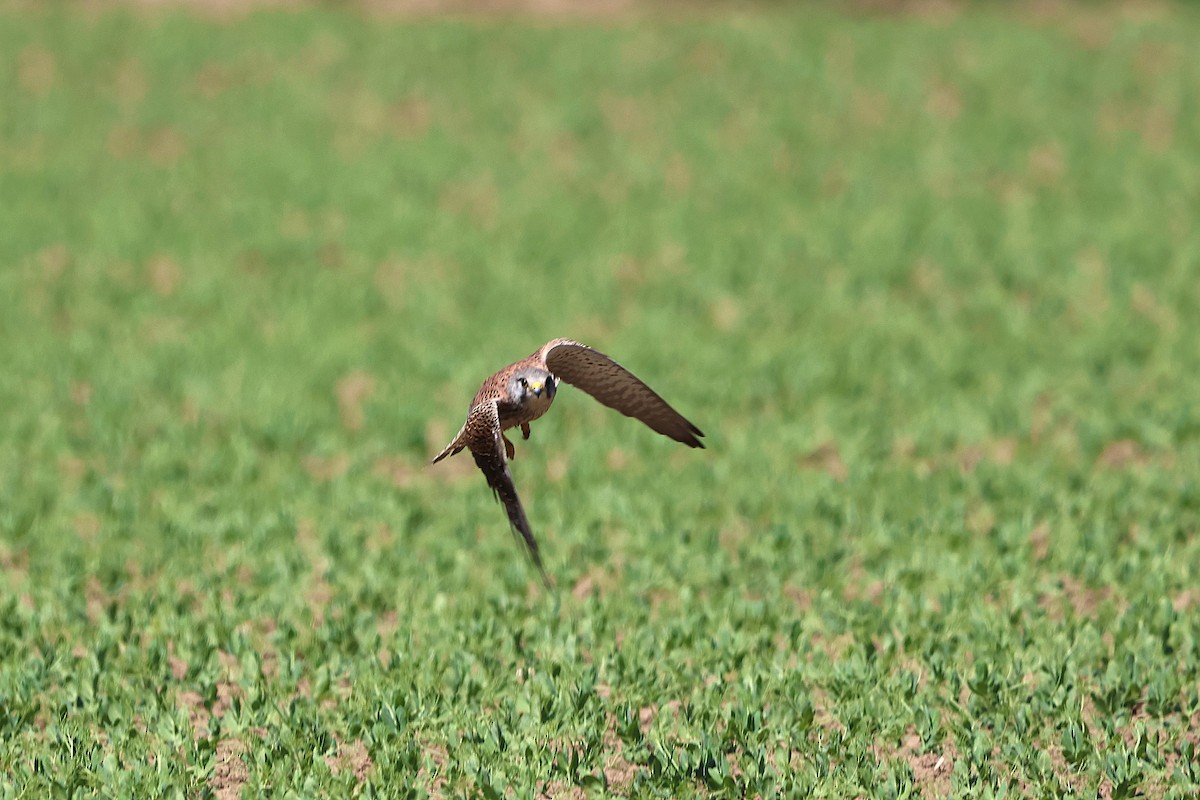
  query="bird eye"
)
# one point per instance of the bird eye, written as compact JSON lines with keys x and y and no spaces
{"x":523,"y":381}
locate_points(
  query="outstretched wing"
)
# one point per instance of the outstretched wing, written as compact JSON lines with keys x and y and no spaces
{"x":617,"y":388}
{"x":488,"y":449}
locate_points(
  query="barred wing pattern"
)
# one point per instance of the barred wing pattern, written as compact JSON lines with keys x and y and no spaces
{"x":494,"y":466}
{"x":617,"y":388}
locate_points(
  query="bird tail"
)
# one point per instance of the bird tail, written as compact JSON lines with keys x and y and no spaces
{"x":455,"y":447}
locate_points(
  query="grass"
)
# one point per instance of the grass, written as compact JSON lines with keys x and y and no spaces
{"x":928,"y":283}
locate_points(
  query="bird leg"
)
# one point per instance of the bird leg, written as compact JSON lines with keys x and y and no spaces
{"x":509,"y":450}
{"x":525,"y":429}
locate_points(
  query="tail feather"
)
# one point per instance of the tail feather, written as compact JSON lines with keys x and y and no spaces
{"x":455,"y":447}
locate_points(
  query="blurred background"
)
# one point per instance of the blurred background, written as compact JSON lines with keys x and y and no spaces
{"x":925,"y":273}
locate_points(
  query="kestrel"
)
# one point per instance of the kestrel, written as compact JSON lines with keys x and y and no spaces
{"x":523,"y":391}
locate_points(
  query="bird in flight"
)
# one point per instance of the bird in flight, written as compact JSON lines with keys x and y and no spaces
{"x":523,"y":391}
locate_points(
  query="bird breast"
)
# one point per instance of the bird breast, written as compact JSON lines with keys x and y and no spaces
{"x":540,"y":405}
{"x":528,"y":411}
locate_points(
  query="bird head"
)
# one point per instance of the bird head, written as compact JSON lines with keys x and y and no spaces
{"x":530,"y":384}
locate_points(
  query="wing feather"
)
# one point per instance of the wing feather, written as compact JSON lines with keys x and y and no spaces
{"x":487,"y":448}
{"x":618,"y":388}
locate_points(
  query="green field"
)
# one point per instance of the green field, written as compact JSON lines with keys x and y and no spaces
{"x":930,"y":283}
